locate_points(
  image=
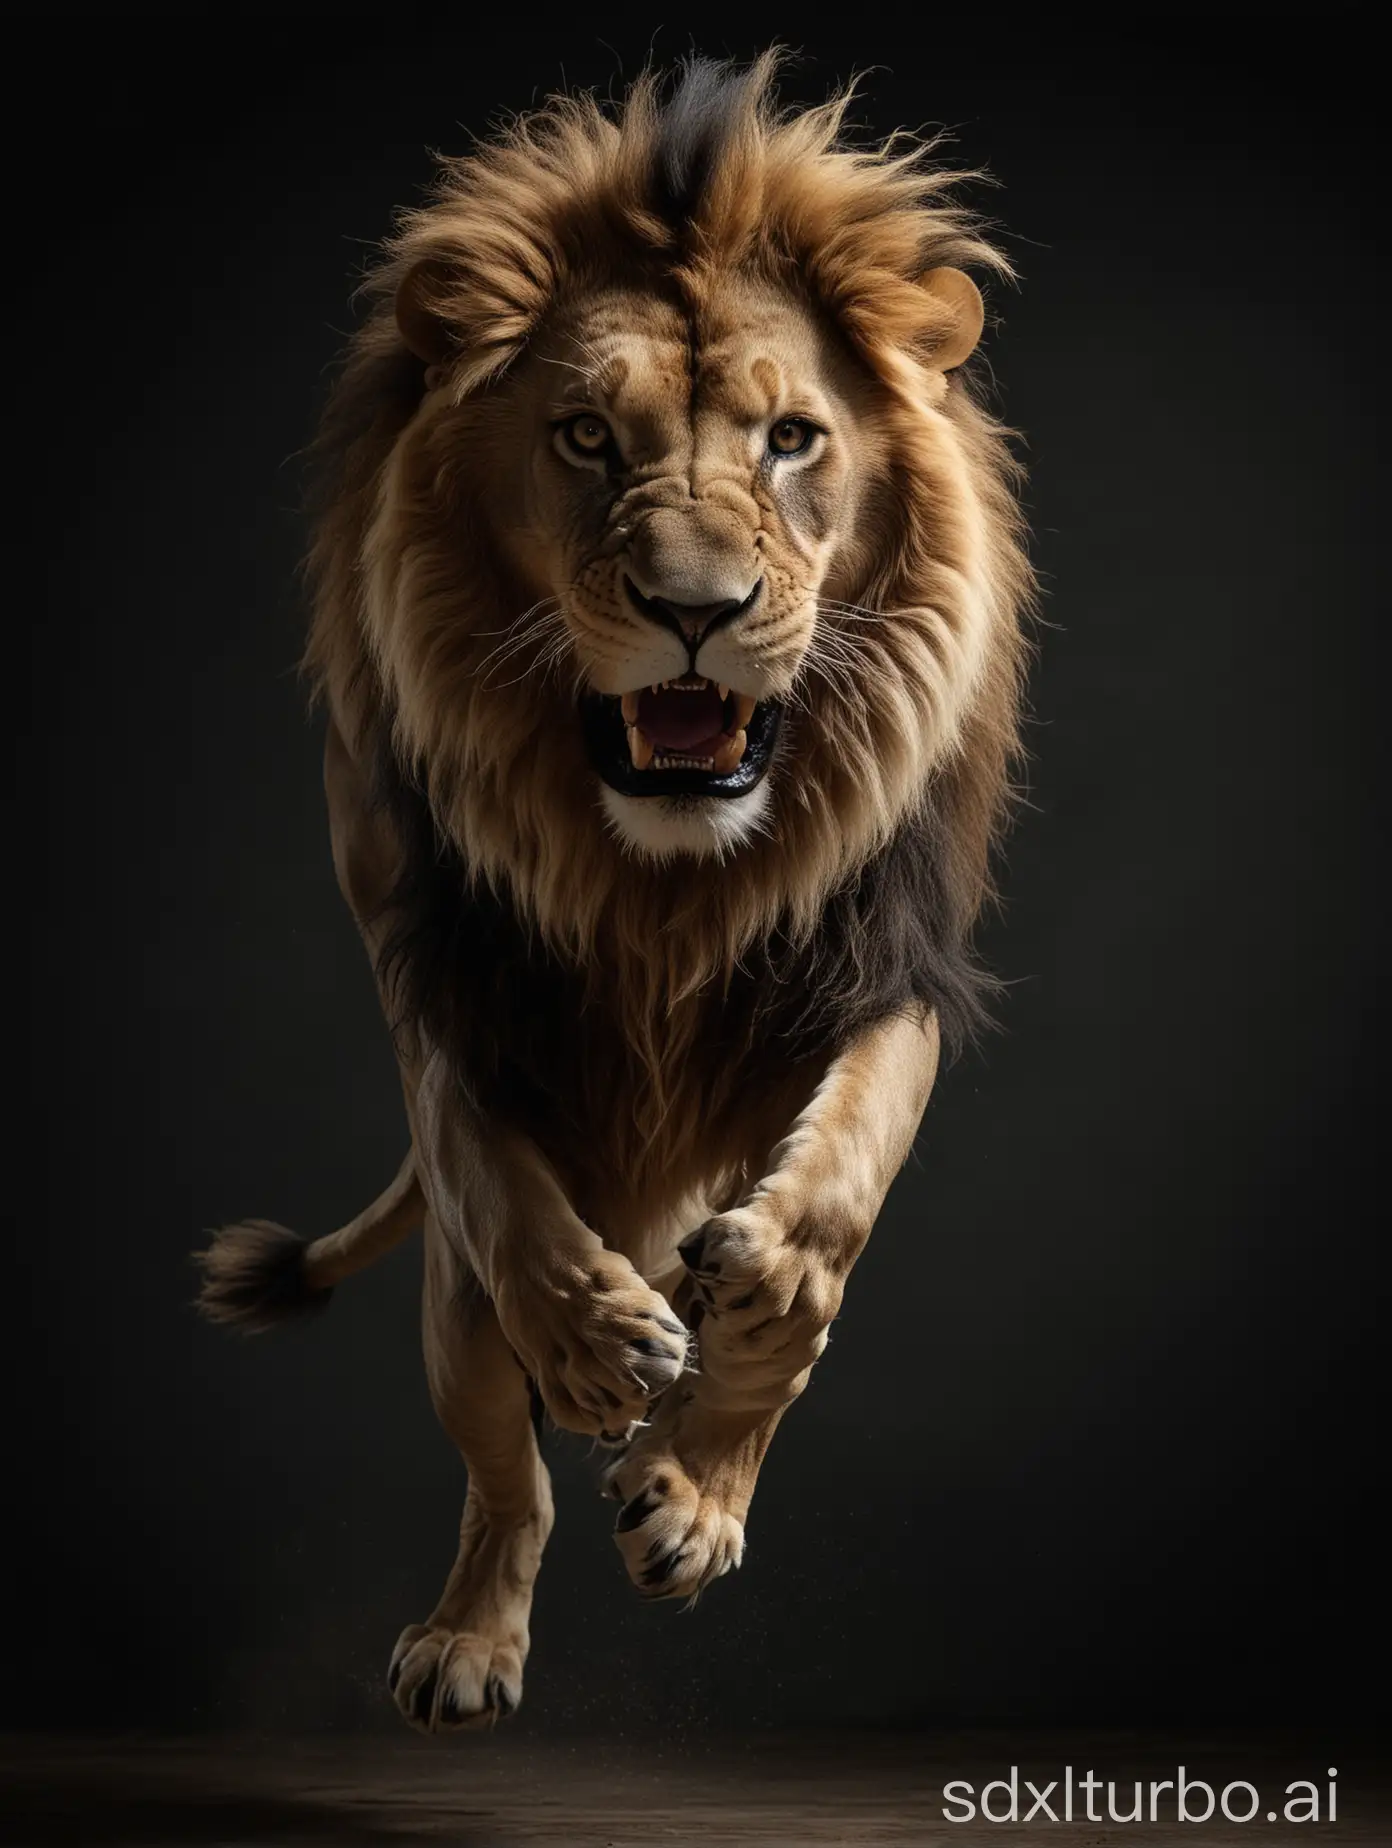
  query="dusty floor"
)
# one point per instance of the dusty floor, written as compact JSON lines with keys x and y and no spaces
{"x":477,"y":1792}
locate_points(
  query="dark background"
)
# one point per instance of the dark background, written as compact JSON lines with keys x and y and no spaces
{"x":1097,"y":1437}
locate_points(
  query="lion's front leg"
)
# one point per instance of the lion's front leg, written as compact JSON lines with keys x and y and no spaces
{"x":599,"y":1342}
{"x":765,"y":1282}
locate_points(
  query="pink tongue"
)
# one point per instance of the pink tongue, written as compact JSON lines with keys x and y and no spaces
{"x":681,"y":721}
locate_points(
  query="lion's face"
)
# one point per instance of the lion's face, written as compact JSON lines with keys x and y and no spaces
{"x":689,"y":500}
{"x":662,"y":527}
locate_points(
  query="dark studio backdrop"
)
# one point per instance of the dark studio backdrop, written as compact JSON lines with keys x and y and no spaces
{"x":1097,"y":1437}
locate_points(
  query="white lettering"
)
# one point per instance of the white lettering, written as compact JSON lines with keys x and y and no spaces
{"x":1039,"y":1800}
{"x":966,"y":1802}
{"x":1183,"y":1798}
{"x":1250,"y":1811}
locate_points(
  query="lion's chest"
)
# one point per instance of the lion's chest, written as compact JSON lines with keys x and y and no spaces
{"x":647,"y":1107}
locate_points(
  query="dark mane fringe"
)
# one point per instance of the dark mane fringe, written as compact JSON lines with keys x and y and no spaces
{"x":891,"y":942}
{"x":706,"y":104}
{"x":531,"y":1033}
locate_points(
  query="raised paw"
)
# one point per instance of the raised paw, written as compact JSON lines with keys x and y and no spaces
{"x":600,"y":1344}
{"x":685,"y":1486}
{"x":675,"y":1538}
{"x":760,"y":1298}
{"x":451,"y":1681}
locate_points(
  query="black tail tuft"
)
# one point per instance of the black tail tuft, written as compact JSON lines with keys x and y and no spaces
{"x":253,"y":1278}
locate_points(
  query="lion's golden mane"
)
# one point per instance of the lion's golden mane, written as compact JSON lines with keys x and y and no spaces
{"x":876,"y":854}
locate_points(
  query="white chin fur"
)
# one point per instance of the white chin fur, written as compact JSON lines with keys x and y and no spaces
{"x":705,"y":827}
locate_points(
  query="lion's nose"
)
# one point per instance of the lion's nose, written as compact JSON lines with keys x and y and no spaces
{"x":694,"y":622}
{"x":698,"y":620}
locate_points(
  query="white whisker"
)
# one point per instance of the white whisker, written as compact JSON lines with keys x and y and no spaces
{"x":539,"y":627}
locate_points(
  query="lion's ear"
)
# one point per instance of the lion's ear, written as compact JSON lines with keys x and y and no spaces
{"x":420,"y":312}
{"x":963,"y":316}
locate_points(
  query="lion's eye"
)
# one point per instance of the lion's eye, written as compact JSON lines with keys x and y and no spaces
{"x":585,"y":437}
{"x":791,"y":436}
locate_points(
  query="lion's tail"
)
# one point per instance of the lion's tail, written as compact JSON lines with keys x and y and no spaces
{"x":257,"y":1275}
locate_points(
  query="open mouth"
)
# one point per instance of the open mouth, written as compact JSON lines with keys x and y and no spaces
{"x":687,"y":737}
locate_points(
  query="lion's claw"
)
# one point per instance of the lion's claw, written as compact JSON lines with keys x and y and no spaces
{"x":599,"y":1342}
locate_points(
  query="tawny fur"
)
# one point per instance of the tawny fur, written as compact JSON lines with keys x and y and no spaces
{"x":414,"y":595}
{"x":720,"y":1029}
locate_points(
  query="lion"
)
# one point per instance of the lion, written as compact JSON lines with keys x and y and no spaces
{"x":669,"y":597}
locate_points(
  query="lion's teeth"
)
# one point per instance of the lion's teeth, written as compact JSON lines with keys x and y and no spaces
{"x":723,"y":691}
{"x":730,"y":752}
{"x":657,"y":686}
{"x":629,"y":703}
{"x":639,"y":748}
{"x":744,"y":710}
